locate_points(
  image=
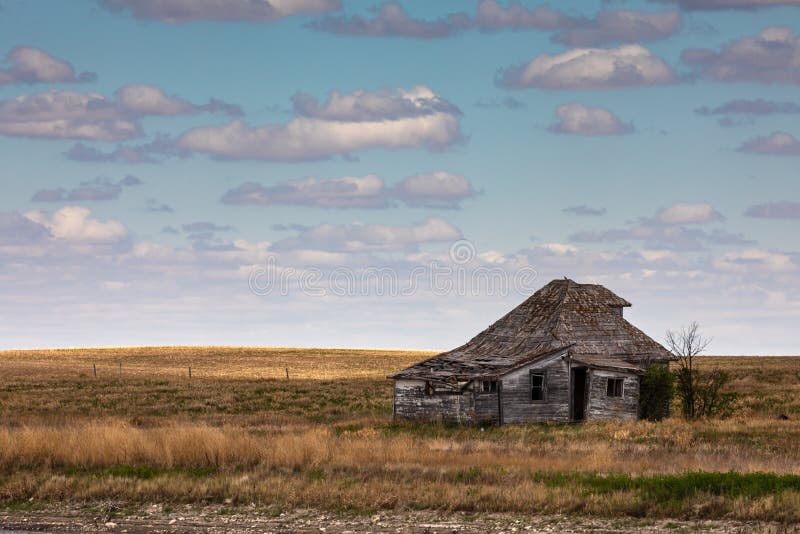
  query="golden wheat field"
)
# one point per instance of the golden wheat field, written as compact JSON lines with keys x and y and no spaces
{"x":85,"y":425}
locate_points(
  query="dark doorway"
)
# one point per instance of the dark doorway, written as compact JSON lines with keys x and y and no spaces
{"x":578,"y":393}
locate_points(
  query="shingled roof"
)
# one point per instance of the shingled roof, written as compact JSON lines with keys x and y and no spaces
{"x":585,"y":318}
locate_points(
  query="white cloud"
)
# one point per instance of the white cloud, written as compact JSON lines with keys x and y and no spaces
{"x":620,"y":26}
{"x":710,"y":5}
{"x":73,"y":223}
{"x":579,"y":119}
{"x":688,"y":213}
{"x":91,"y":116}
{"x":140,"y":99}
{"x":493,"y":16}
{"x":151,"y":100}
{"x":31,"y":65}
{"x":360,"y":237}
{"x":184,"y":11}
{"x":434,"y":189}
{"x":775,"y":210}
{"x":772,"y":56}
{"x":344,"y":192}
{"x":345,"y":124}
{"x":591,"y":68}
{"x":558,"y":249}
{"x":65,"y":115}
{"x":749,"y":260}
{"x":391,"y":20}
{"x":776,"y":143}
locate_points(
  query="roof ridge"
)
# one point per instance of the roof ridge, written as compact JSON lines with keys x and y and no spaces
{"x":555,"y":319}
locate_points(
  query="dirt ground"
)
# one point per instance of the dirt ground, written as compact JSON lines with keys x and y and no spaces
{"x":247,"y":520}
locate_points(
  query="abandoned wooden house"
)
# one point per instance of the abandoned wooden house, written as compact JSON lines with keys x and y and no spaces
{"x":565,"y":354}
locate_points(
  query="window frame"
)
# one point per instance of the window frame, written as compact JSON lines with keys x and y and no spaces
{"x":611,"y":391}
{"x":542,"y":373}
{"x":492,"y":387}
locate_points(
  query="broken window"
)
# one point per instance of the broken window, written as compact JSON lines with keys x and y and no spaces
{"x":489,"y":386}
{"x":538,"y":386}
{"x":428,"y":388}
{"x":614,"y":387}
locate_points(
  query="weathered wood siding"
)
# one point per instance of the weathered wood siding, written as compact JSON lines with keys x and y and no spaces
{"x":517,"y":406}
{"x":601,"y":406}
{"x":486,"y":406}
{"x":411,"y":402}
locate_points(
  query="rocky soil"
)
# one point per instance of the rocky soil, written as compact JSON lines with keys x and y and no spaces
{"x":215,"y":519}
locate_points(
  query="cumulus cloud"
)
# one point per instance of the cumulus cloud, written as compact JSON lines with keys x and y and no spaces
{"x":74,"y":224}
{"x":344,"y":192}
{"x":712,"y":5}
{"x":772,"y":56}
{"x":776,"y":143}
{"x":492,"y":15}
{"x":655,"y":236}
{"x":90,"y":116}
{"x":590,"y":68}
{"x":608,"y":26}
{"x":203,"y":235}
{"x":65,"y":115}
{"x":139,"y":99}
{"x":390,"y":20}
{"x":619,"y":26}
{"x":185,"y":11}
{"x":155,"y":151}
{"x":584,"y":210}
{"x":17,"y":229}
{"x":360,"y":237}
{"x":32,"y":65}
{"x":343,"y":124}
{"x":688,"y":213}
{"x":671,"y":228}
{"x":757,"y":260}
{"x":99,"y":189}
{"x":365,"y":106}
{"x":750,"y":107}
{"x":775,"y":210}
{"x":579,"y":119}
{"x":435,"y":189}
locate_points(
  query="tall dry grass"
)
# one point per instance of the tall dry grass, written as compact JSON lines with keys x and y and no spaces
{"x":231,"y":433}
{"x":637,"y":448}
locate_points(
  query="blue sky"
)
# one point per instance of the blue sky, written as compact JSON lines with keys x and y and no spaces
{"x":159,"y":154}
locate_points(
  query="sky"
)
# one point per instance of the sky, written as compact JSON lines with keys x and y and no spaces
{"x":362,"y":174}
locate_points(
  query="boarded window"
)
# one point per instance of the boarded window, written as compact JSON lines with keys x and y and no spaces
{"x":489,"y":386}
{"x":538,"y":386}
{"x":614,"y":387}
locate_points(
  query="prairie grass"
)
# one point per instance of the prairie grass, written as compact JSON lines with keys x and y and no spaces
{"x":324,"y":438}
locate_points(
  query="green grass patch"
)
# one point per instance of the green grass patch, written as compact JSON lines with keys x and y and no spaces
{"x":141,"y":472}
{"x":676,"y":488}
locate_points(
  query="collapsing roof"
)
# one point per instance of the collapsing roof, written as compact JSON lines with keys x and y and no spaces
{"x":584,"y":318}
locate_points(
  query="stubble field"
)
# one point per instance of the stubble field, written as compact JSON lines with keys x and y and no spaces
{"x":239,"y":433}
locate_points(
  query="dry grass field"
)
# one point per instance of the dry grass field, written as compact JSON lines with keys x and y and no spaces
{"x":239,"y":432}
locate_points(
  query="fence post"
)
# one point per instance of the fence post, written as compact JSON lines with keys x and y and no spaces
{"x":287,"y":373}
{"x":120,"y":370}
{"x":94,"y":369}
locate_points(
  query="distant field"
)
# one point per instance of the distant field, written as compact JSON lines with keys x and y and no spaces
{"x":239,"y":432}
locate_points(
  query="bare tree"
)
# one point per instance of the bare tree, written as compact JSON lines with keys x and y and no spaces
{"x":686,"y":344}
